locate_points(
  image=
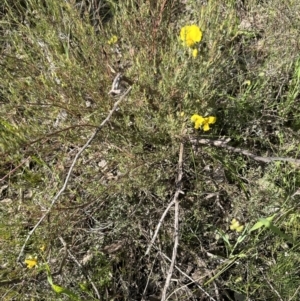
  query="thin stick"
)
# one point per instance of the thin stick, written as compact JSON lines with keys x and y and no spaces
{"x":295,"y":294}
{"x":70,"y":171}
{"x":176,"y":224}
{"x":64,"y":256}
{"x":148,"y":280}
{"x":271,"y":286}
{"x":13,"y":170}
{"x":187,"y":276}
{"x":158,"y":226}
{"x":81,"y":268}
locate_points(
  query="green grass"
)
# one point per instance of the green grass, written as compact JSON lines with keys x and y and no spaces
{"x":56,"y":71}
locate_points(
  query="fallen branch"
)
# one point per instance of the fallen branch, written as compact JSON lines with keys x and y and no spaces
{"x":223,"y":144}
{"x":70,"y":172}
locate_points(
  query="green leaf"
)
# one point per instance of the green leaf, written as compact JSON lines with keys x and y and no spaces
{"x":58,"y":289}
{"x":262,"y":222}
{"x":267,"y":222}
{"x":61,"y":290}
{"x":49,"y":277}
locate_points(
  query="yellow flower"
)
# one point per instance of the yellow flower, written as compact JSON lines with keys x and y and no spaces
{"x":195,"y":53}
{"x":43,"y":248}
{"x":203,"y":122}
{"x":113,"y":40}
{"x":236,"y":226}
{"x":31,"y":262}
{"x":190,"y":35}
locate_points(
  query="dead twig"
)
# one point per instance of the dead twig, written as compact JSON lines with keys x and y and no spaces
{"x":190,"y":278}
{"x":115,"y":88}
{"x":158,"y":226}
{"x":13,"y":170}
{"x":81,"y":268}
{"x":295,"y":294}
{"x":70,"y":171}
{"x":64,"y":256}
{"x":271,"y":286}
{"x":223,"y":144}
{"x":148,"y":279}
{"x":176,"y":223}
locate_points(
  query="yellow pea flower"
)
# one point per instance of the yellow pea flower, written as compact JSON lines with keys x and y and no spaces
{"x":31,"y":262}
{"x":203,"y":122}
{"x":190,"y":35}
{"x":113,"y":40}
{"x":207,"y":121}
{"x":236,"y":226}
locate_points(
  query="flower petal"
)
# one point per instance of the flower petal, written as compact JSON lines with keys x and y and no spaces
{"x":195,"y":33}
{"x":198,"y":124}
{"x":195,"y":117}
{"x":240,"y":228}
{"x":232,"y":227}
{"x":183,"y":33}
{"x":206,"y":127}
{"x":195,"y":53}
{"x":189,"y":42}
{"x":212,"y":119}
{"x":201,"y":120}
